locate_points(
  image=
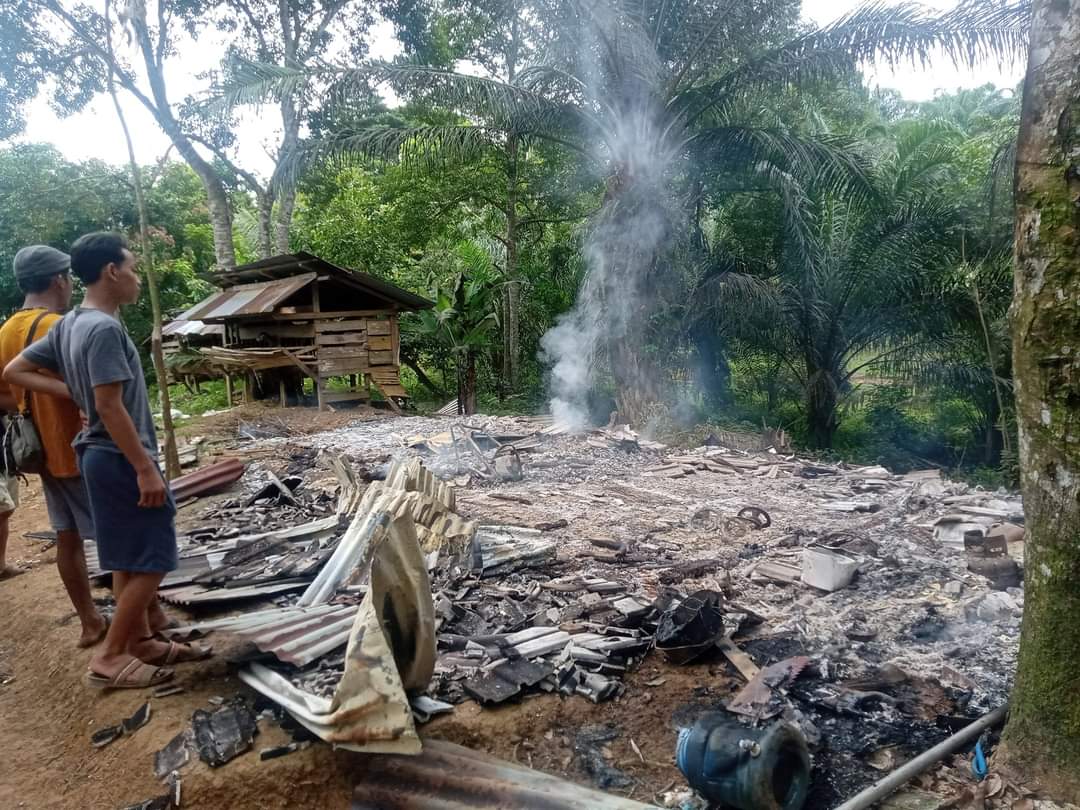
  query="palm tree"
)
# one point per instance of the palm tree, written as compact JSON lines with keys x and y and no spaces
{"x":660,"y":97}
{"x":853,"y":283}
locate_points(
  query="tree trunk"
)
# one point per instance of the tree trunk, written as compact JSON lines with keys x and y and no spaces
{"x":1043,"y":733}
{"x":216,"y":198}
{"x":266,"y":225}
{"x":468,"y":392}
{"x":219,"y":210}
{"x":172,"y":456}
{"x":714,"y":372}
{"x":822,"y":400}
{"x":285,"y":209}
{"x":283,"y":185}
{"x":511,"y":328}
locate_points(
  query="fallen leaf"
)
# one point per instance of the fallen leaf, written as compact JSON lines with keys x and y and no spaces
{"x":637,"y":750}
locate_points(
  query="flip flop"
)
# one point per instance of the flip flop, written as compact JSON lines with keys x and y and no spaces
{"x":136,"y":674}
{"x":97,"y":639}
{"x":181,"y":654}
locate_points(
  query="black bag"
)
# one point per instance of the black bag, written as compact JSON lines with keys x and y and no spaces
{"x":23,"y":452}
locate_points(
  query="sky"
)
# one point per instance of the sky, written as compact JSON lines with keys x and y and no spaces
{"x":95,"y":132}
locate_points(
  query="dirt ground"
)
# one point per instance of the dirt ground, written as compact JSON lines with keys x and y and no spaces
{"x":48,"y":716}
{"x":48,"y":761}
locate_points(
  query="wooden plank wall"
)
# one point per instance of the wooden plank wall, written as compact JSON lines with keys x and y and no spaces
{"x":354,"y":346}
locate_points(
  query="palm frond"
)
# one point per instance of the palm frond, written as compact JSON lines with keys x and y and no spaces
{"x":727,"y":299}
{"x":247,"y":82}
{"x":973,"y":32}
{"x":509,"y":105}
{"x":829,"y":163}
{"x":423,"y":147}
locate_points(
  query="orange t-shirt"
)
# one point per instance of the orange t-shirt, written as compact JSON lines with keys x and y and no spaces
{"x":57,"y":421}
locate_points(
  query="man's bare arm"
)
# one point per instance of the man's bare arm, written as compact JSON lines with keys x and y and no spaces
{"x":25,"y":374}
{"x":108,"y":401}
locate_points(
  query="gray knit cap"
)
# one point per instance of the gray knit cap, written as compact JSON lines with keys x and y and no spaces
{"x":40,"y":261}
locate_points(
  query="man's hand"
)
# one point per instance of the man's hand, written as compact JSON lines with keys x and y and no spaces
{"x":151,"y":486}
{"x":108,"y":401}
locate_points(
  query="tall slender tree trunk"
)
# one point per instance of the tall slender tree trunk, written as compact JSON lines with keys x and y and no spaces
{"x":1043,"y":733}
{"x":283,"y":222}
{"x":283,"y":185}
{"x":217,"y":206}
{"x":172,"y":457}
{"x":216,"y":198}
{"x":512,"y":288}
{"x":264,"y":244}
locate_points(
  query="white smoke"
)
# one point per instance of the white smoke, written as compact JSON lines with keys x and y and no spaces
{"x":630,"y":229}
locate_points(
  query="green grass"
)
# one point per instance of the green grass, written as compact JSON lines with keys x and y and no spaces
{"x":210,"y":398}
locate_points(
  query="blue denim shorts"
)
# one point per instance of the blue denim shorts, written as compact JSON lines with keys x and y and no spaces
{"x":130,"y":538}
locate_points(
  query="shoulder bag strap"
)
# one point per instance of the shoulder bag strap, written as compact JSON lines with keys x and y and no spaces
{"x":29,"y":340}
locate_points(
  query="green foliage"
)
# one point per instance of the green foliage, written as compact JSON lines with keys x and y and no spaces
{"x":835,"y":261}
{"x":210,"y":397}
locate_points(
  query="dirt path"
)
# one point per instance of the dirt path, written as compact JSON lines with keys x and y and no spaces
{"x":48,"y":716}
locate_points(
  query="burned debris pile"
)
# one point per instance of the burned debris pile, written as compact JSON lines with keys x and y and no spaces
{"x":498,"y":558}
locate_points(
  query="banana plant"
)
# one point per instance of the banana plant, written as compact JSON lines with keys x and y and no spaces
{"x":464,"y":319}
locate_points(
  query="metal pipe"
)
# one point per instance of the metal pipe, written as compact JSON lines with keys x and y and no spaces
{"x":886,"y":785}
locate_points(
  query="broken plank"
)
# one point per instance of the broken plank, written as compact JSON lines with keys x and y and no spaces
{"x":741,"y":661}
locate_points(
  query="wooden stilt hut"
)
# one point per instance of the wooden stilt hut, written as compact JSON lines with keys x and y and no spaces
{"x":296,"y":315}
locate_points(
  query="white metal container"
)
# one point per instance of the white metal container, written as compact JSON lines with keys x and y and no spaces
{"x":828,"y":569}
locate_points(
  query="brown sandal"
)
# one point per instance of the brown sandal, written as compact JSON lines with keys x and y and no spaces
{"x":181,"y":654}
{"x":135,"y":674}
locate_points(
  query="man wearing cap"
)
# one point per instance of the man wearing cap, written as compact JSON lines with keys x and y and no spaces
{"x":44,"y":276}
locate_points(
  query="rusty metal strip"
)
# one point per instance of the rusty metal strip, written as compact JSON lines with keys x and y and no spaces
{"x":445,"y":776}
{"x":208,"y":479}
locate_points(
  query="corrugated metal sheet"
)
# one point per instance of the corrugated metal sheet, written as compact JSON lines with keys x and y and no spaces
{"x":248,"y":299}
{"x":290,"y":263}
{"x":184,"y":328}
{"x":198,"y":595}
{"x":445,"y":776}
{"x":295,"y":635}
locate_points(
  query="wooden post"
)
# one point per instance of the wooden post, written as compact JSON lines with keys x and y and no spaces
{"x":315,"y":309}
{"x":229,"y":389}
{"x":281,"y":391}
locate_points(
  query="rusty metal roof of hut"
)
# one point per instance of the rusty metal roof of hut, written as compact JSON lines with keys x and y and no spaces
{"x":289,"y":265}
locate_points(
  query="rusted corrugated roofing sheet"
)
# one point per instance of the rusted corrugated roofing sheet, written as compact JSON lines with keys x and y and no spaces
{"x":288,"y":264}
{"x":208,"y":479}
{"x":445,"y":776}
{"x":248,"y":299}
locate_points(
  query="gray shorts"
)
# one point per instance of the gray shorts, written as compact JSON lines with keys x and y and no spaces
{"x":68,"y":505}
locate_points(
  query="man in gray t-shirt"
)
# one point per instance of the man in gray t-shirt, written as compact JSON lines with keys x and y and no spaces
{"x":89,"y":348}
{"x":130,"y":502}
